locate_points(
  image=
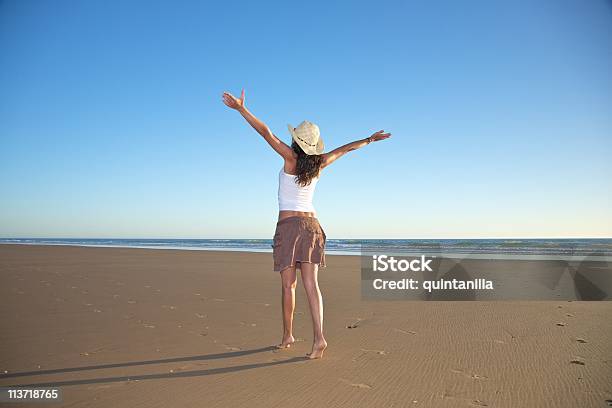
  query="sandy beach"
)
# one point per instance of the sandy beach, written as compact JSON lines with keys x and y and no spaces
{"x":116,"y":327}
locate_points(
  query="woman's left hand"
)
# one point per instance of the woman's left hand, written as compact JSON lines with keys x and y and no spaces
{"x":233,"y":102}
{"x":380,"y":135}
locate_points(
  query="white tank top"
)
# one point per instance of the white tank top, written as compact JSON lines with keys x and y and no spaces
{"x":292,"y":196}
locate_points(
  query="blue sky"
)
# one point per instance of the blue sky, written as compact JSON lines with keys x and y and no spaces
{"x":112,"y":125}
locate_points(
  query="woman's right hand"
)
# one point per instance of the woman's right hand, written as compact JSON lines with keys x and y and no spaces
{"x":233,"y":102}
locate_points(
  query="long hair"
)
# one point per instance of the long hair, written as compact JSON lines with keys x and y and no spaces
{"x":308,"y":166}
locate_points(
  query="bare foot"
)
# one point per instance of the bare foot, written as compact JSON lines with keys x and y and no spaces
{"x":317,"y":350}
{"x":286,"y":343}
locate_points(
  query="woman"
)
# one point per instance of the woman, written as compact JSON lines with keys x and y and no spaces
{"x":299,"y":240}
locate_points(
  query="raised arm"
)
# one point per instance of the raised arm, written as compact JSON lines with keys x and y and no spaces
{"x":238,"y":104}
{"x":330,"y":157}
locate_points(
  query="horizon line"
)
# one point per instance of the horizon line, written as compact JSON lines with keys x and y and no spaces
{"x":362,"y":238}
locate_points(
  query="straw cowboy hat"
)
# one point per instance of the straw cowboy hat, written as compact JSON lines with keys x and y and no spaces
{"x":307,"y":136}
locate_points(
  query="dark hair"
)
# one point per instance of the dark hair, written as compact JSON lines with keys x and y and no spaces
{"x":307,"y":167}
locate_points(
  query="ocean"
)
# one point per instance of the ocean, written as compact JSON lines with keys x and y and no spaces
{"x":600,"y":249}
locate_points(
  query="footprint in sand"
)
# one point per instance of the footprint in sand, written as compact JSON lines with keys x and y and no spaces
{"x":512,"y":336}
{"x":355,"y":324}
{"x":88,"y":353}
{"x":578,"y":361}
{"x":97,"y":311}
{"x":200,"y":315}
{"x":405,"y":331}
{"x":475,"y":402}
{"x":149,"y":326}
{"x":364,"y":352}
{"x":186,"y":367}
{"x":131,"y":302}
{"x":581,"y":340}
{"x":468,"y":375}
{"x":569,"y":315}
{"x":356,"y":385}
{"x":379,"y":352}
{"x":561,"y":324}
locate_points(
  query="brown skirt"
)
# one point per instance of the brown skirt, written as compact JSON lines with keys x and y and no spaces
{"x":298,"y":239}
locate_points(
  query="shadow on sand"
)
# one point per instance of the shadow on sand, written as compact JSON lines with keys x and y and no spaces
{"x":211,"y":371}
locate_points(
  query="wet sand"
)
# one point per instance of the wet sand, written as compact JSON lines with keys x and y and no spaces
{"x":156,"y":328}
